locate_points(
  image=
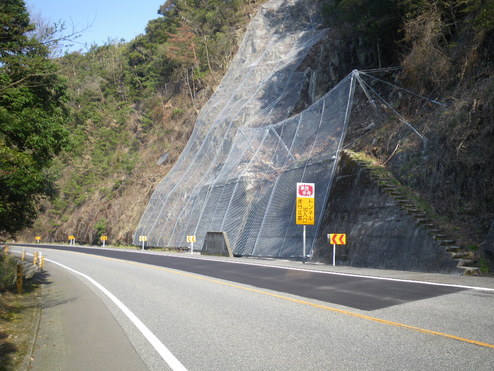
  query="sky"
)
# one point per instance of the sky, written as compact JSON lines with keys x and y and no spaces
{"x":98,"y":20}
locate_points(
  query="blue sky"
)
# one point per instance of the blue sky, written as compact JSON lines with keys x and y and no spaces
{"x":104,"y":19}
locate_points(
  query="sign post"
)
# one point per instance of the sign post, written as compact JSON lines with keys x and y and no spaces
{"x":191,"y":240}
{"x":305,"y":209}
{"x":336,"y":239}
{"x":104,"y":239}
{"x":143,"y":239}
{"x":72,"y":240}
{"x":38,"y":238}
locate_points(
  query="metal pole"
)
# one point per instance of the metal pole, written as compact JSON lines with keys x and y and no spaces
{"x":192,"y":247}
{"x":305,"y":233}
{"x":334,"y":254}
{"x":143,"y":244}
{"x":103,"y":243}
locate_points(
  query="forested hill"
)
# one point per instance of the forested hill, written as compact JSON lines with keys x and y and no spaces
{"x":126,"y":110}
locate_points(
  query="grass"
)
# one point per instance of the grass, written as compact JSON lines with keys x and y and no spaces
{"x":18,"y":316}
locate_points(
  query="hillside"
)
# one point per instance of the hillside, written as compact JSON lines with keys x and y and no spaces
{"x":133,"y":107}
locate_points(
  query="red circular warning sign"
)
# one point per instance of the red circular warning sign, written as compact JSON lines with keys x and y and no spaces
{"x":305,"y":190}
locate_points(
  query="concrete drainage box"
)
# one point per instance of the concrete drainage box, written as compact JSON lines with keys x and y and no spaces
{"x":216,"y":243}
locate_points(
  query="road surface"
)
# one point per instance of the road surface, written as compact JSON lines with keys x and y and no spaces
{"x":174,"y":311}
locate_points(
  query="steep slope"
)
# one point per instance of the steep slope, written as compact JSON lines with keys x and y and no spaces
{"x":132,"y":120}
{"x":248,"y":150}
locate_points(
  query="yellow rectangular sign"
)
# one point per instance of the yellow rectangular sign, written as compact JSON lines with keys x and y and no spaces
{"x":305,"y":211}
{"x":71,"y":238}
{"x":191,"y":238}
{"x":337,"y":238}
{"x":143,"y":238}
{"x":104,"y":238}
{"x":38,"y":238}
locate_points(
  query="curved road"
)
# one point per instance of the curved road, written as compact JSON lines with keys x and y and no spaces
{"x":131,"y":310}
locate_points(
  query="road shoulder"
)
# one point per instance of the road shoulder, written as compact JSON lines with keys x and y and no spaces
{"x":76,"y":330}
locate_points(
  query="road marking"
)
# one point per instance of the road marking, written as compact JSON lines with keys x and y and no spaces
{"x":479,"y":288}
{"x":162,"y":350}
{"x":320,"y":306}
{"x":287,"y":298}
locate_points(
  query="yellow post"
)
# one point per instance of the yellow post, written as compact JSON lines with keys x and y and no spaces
{"x":42,"y":263}
{"x":19,"y":279}
{"x":35,"y":258}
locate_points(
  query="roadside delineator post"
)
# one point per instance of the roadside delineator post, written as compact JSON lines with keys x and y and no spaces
{"x":143,"y":239}
{"x":19,"y":278}
{"x":191,"y":240}
{"x":35,"y":258}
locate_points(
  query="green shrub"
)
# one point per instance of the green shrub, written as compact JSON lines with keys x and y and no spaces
{"x":100,"y":227}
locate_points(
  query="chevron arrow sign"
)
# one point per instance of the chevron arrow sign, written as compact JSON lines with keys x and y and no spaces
{"x":337,"y":238}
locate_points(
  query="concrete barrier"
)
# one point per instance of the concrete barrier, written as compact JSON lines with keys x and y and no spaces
{"x":216,"y":243}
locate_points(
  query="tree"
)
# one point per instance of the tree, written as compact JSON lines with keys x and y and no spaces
{"x":181,"y":47}
{"x":32,"y":113}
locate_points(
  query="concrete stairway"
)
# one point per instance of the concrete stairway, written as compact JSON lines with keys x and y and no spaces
{"x":466,"y":258}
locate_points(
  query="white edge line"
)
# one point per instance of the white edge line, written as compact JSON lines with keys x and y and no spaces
{"x":478,"y":288}
{"x":328,"y":272}
{"x":373,"y":277}
{"x":163,"y":351}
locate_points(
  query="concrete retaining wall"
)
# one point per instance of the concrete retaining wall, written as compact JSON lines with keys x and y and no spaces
{"x":380,"y":234}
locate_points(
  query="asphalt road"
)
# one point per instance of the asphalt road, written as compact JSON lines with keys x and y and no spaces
{"x":215,"y":315}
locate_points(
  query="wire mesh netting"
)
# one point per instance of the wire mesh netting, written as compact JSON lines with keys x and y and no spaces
{"x":239,"y":170}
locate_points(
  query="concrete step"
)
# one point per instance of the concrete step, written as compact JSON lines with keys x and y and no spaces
{"x":465,"y":263}
{"x":446,"y":242}
{"x":453,"y":248}
{"x":404,"y":203}
{"x":424,"y":221}
{"x":470,"y":271}
{"x":387,"y":185}
{"x":461,"y":255}
{"x":417,"y":213}
{"x":437,"y":235}
{"x":396,"y":197}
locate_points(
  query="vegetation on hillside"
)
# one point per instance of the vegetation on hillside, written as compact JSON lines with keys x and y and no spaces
{"x":132,"y":106}
{"x":131,"y":103}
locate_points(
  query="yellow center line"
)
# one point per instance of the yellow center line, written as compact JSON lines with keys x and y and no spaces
{"x":314,"y":305}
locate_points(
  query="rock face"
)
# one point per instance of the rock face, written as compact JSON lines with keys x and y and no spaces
{"x":380,"y":234}
{"x":487,"y":247}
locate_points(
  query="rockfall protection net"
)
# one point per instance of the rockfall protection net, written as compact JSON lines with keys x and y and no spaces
{"x":239,"y":170}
